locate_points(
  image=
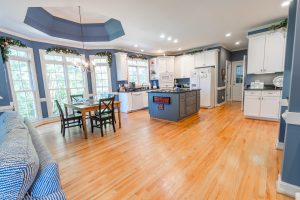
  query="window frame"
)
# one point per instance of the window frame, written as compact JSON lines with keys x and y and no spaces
{"x":34,"y":81}
{"x":64,"y":63}
{"x":138,"y":83}
{"x":92,"y":57}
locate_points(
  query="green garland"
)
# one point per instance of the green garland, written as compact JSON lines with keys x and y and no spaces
{"x":62,"y":50}
{"x":106,"y":53}
{"x":278,"y":25}
{"x":138,"y":56}
{"x":5,"y":43}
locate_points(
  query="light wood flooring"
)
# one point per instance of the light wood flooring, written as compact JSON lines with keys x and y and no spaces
{"x":215,"y":154}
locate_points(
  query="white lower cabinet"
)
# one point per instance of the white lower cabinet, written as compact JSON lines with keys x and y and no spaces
{"x":131,"y":101}
{"x":262,"y":104}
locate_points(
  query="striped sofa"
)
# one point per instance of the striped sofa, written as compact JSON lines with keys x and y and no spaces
{"x":27,"y":170}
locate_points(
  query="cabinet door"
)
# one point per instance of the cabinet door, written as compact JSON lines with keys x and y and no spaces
{"x":188,"y":66}
{"x":154,"y":73}
{"x":178,"y":67}
{"x":170,"y":64}
{"x":162,"y":65}
{"x":274,"y":52}
{"x":270,"y":107}
{"x":137,"y":100}
{"x":210,"y":58}
{"x":145,"y":99}
{"x":122,"y":68}
{"x":199,"y":60}
{"x":252,"y":106}
{"x":256,"y":54}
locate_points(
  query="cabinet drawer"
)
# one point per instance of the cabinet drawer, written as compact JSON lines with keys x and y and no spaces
{"x":252,"y":93}
{"x":271,"y":93}
{"x":182,"y":97}
{"x":191,"y":100}
{"x":191,"y":109}
{"x":191,"y":94}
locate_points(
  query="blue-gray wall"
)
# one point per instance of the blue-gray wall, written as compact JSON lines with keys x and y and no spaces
{"x":288,"y":65}
{"x":238,"y":55}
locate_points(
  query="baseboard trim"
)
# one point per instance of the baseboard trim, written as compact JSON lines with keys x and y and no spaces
{"x":286,"y":188}
{"x":279,"y":145}
{"x":45,"y":121}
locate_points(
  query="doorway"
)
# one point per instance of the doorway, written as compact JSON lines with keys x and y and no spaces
{"x":237,"y":80}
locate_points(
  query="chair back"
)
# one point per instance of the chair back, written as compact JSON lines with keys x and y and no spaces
{"x":76,"y":98}
{"x":106,"y":106}
{"x":61,"y":113}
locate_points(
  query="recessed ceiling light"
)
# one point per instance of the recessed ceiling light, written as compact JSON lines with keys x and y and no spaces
{"x":136,"y":45}
{"x":142,"y":50}
{"x":237,"y":43}
{"x":175,"y":41}
{"x":228,"y":35}
{"x":162,"y":36}
{"x":179,"y":49}
{"x":159,"y":51}
{"x":286,"y":3}
{"x":169,"y":38}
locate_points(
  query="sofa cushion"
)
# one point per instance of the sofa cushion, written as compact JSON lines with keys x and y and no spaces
{"x":19,"y":164}
{"x":12,"y":120}
{"x":47,"y":180}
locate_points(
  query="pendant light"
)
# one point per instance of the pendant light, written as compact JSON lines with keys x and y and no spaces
{"x":85,"y":65}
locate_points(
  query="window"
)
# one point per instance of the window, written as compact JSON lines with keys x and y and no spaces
{"x":138,"y":71}
{"x":101,"y":75}
{"x":23,"y":82}
{"x":62,"y":79}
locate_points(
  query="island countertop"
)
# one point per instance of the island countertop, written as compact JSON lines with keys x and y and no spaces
{"x":181,"y":90}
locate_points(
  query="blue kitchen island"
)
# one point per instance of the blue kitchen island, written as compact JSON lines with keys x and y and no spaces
{"x":173,"y":105}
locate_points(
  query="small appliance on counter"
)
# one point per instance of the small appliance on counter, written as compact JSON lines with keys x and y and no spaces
{"x":257,"y":85}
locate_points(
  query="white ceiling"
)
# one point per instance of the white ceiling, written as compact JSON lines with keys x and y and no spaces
{"x":194,"y":22}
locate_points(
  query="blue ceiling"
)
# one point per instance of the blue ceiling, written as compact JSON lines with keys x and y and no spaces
{"x":41,"y":20}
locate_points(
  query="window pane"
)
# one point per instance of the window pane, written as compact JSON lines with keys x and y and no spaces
{"x":101,"y":73}
{"x":22,"y":80}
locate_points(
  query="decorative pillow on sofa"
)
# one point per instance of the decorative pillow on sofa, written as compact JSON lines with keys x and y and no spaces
{"x":19,"y":164}
{"x":12,"y":120}
{"x":47,"y":180}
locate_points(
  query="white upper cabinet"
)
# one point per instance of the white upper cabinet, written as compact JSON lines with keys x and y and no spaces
{"x":274,"y":52}
{"x":122,"y":68}
{"x":183,"y":66}
{"x":206,"y":58}
{"x":256,"y":54}
{"x":266,"y":53}
{"x":166,"y":64}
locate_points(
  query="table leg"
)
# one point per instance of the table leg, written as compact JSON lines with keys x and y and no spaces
{"x":119,"y":116}
{"x":84,"y":125}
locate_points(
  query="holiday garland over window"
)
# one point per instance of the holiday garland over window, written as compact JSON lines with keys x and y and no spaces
{"x":62,"y":50}
{"x":5,"y":43}
{"x":278,"y":25}
{"x":108,"y":54}
{"x":138,"y":56}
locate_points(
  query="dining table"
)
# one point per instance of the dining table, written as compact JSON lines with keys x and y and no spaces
{"x":88,"y":106}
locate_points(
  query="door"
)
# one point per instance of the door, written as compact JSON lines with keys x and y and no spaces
{"x":228,"y":81}
{"x":252,"y":106}
{"x":179,"y":67}
{"x":188,"y":66}
{"x":237,"y":81}
{"x":162,"y":64}
{"x":256,"y":54}
{"x":170,"y":64}
{"x":137,"y":100}
{"x":274,"y":52}
{"x":145,"y":99}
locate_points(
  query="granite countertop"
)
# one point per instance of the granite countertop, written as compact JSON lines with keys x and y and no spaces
{"x":266,"y":87}
{"x":173,"y":90}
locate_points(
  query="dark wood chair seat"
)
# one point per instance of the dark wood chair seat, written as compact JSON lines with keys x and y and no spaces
{"x":68,"y":121}
{"x":104,"y":116}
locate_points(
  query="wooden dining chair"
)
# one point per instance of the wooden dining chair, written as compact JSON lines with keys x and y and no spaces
{"x":68,"y":121}
{"x":105,"y":115}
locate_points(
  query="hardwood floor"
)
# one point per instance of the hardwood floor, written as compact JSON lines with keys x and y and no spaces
{"x":217,"y":154}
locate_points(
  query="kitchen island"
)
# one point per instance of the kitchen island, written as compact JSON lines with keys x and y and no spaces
{"x":173,"y":105}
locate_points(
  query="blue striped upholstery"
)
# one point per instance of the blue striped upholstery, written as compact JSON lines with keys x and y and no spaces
{"x":19,"y":164}
{"x":47,"y":180}
{"x":59,"y":195}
